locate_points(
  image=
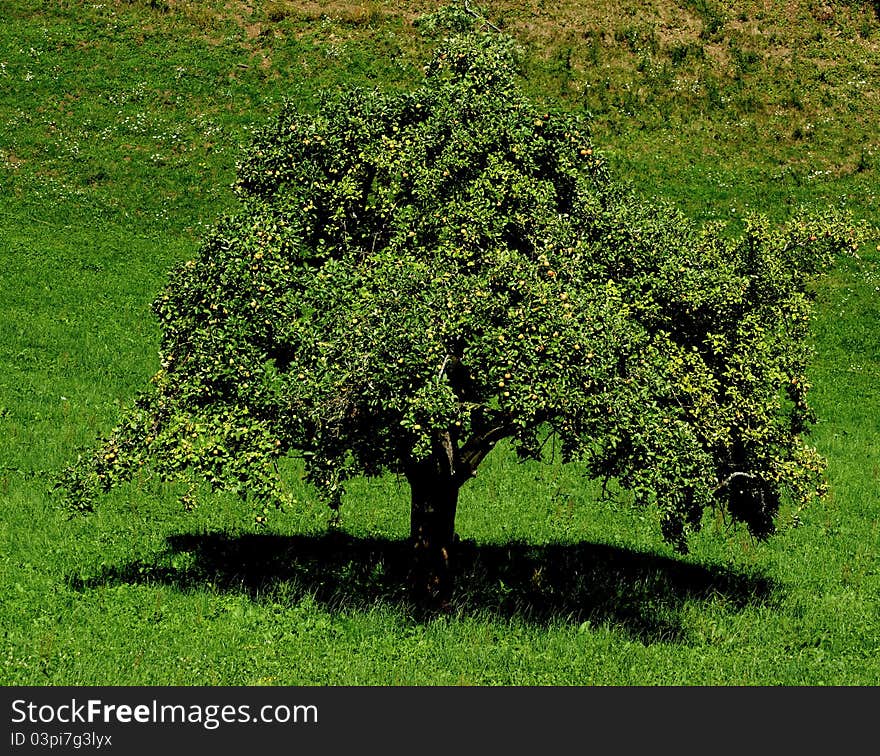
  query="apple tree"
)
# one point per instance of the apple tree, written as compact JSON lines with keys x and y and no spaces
{"x":413,"y":277}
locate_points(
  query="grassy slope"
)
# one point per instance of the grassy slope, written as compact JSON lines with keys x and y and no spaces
{"x":119,"y":127}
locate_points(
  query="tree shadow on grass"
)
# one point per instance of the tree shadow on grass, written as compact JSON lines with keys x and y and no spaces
{"x":641,"y":594}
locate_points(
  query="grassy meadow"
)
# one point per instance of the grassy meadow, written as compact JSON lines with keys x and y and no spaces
{"x":120,"y":125}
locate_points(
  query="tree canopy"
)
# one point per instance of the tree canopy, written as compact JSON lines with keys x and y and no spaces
{"x":414,"y":276}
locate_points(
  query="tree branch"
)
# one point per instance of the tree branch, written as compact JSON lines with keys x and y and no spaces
{"x":449,"y":450}
{"x":442,"y":368}
{"x":738,"y":474}
{"x":477,"y":447}
{"x":482,"y":18}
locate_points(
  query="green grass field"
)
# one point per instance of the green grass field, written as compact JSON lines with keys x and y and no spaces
{"x":120,"y":126}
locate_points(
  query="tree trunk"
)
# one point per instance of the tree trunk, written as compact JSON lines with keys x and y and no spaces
{"x":432,"y":529}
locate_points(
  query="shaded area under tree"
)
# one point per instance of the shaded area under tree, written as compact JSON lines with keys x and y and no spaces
{"x":638,"y":593}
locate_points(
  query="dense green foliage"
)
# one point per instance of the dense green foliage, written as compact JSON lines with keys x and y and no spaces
{"x":416,"y":276}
